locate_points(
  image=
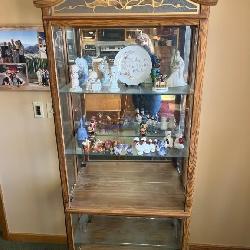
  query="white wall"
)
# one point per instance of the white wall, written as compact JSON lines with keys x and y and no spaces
{"x":222,"y":197}
{"x":28,"y":156}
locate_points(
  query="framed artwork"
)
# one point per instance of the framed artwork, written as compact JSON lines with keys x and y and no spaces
{"x":13,"y":74}
{"x":23,"y":53}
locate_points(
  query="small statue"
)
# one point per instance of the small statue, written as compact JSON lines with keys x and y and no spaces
{"x":172,"y":123}
{"x":152,"y":146}
{"x":93,"y":83}
{"x":104,"y":69}
{"x":169,"y":142}
{"x":179,"y":141}
{"x":164,"y":123}
{"x":74,"y":69}
{"x":81,"y":131}
{"x":83,"y":69}
{"x":176,"y":79}
{"x":114,"y":79}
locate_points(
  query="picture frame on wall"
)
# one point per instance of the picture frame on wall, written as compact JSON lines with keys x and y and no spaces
{"x":23,"y":49}
{"x":13,"y":74}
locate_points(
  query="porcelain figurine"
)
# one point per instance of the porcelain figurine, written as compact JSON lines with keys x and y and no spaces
{"x":143,"y":129}
{"x":147,"y":148}
{"x":74,"y":69}
{"x":179,"y":141}
{"x":114,"y":79}
{"x":172,"y":123}
{"x":176,"y":79}
{"x":161,"y":148}
{"x":138,"y":118}
{"x":118,"y":149}
{"x":86,"y":145}
{"x":169,"y":142}
{"x":92,"y":79}
{"x":104,"y":69}
{"x":129,"y":150}
{"x":81,"y":132}
{"x":152,"y":146}
{"x":164,"y":123}
{"x":83,"y":69}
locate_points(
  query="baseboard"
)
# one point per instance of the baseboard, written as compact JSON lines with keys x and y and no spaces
{"x":194,"y":246}
{"x":37,"y":238}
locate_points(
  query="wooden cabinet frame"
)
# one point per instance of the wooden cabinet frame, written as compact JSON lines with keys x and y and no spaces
{"x":200,"y":20}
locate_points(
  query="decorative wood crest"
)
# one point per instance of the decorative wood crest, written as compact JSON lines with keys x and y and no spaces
{"x":206,"y":2}
{"x":46,"y":3}
{"x":76,"y":7}
{"x":51,"y":3}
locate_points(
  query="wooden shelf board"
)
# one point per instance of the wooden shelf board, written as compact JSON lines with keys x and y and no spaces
{"x":129,"y":188}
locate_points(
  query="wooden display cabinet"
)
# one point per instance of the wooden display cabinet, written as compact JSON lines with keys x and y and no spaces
{"x":116,"y":196}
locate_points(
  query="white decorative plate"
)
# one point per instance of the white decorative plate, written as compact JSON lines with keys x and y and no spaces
{"x":134,"y":65}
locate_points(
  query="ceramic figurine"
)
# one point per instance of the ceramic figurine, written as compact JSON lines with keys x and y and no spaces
{"x":161,"y":148}
{"x":152,"y":145}
{"x":179,"y":141}
{"x":83,"y":69}
{"x":86,"y":145}
{"x":74,"y":69}
{"x":129,"y":150}
{"x":104,"y":69}
{"x":138,"y":118}
{"x":176,"y":79}
{"x":148,"y":147}
{"x":92,"y":79}
{"x":81,"y":132}
{"x":118,"y":149}
{"x":143,"y":129}
{"x":108,"y":145}
{"x":164,"y":123}
{"x":172,"y":123}
{"x":169,"y":142}
{"x":114,"y":79}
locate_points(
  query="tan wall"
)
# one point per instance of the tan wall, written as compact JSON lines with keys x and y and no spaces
{"x":222,"y":197}
{"x":222,"y":204}
{"x":28,"y":156}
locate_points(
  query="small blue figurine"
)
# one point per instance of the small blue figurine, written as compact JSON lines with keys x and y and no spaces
{"x":82,"y":134}
{"x":162,"y":151}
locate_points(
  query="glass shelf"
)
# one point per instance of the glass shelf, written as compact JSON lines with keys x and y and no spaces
{"x":138,"y":90}
{"x":74,"y":149}
{"x":130,"y":232}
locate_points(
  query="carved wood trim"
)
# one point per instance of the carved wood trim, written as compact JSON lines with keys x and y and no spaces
{"x":46,"y":3}
{"x":202,"y":45}
{"x":206,"y":2}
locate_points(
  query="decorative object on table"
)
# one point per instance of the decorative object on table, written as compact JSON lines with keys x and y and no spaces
{"x":164,"y":123}
{"x":152,"y":146}
{"x":114,"y":79}
{"x":83,"y":69}
{"x":86,"y":145}
{"x":93,"y":83}
{"x":147,"y":148}
{"x":176,"y":79}
{"x":74,"y":75}
{"x":172,"y":123}
{"x":81,"y":131}
{"x":138,"y":117}
{"x":143,"y":129}
{"x":160,"y":84}
{"x":104,"y":69}
{"x":179,"y":141}
{"x":169,"y":142}
{"x":134,"y":65}
{"x":160,"y":148}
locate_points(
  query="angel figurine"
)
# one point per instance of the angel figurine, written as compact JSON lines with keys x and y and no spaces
{"x":176,"y":79}
{"x":104,"y":69}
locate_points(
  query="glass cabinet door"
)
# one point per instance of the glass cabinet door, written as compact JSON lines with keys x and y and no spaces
{"x":126,"y":97}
